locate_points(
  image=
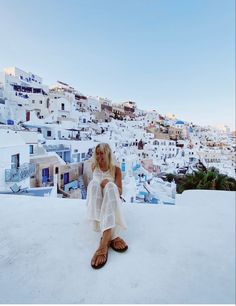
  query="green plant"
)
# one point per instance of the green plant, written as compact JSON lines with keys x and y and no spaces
{"x":210,"y":180}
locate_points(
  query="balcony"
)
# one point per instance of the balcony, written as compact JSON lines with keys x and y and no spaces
{"x":57,"y":148}
{"x":16,"y":175}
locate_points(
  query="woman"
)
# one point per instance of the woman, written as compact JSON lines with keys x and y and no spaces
{"x":103,"y":200}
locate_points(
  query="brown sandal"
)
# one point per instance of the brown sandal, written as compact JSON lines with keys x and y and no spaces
{"x":100,"y":252}
{"x":113,"y":245}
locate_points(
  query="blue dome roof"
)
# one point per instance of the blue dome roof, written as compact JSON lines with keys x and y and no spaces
{"x":179,"y":122}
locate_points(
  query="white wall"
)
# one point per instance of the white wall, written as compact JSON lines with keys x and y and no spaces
{"x":93,"y":104}
{"x":5,"y":163}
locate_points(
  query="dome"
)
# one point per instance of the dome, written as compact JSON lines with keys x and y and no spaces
{"x":179,"y":122}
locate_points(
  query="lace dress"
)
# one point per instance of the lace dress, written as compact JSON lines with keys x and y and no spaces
{"x":104,"y":205}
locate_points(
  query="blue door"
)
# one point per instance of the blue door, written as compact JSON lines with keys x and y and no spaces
{"x":45,"y":175}
{"x":66,"y":178}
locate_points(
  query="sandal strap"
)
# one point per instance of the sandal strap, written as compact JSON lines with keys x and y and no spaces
{"x":116,"y":240}
{"x":101,"y":252}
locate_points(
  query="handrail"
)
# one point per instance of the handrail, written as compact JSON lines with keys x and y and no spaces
{"x":18,"y":174}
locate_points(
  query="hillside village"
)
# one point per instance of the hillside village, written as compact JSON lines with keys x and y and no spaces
{"x":48,"y":133}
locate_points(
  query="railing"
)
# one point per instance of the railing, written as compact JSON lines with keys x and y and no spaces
{"x":21,"y":173}
{"x":63,"y":111}
{"x":54,"y":148}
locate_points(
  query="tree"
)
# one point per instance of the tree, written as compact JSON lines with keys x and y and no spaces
{"x":210,"y":179}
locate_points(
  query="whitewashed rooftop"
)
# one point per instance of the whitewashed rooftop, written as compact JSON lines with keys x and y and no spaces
{"x":10,"y":138}
{"x":177,"y":254}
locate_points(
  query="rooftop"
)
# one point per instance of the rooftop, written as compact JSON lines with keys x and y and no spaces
{"x":179,"y":122}
{"x":183,"y":253}
{"x":10,"y":138}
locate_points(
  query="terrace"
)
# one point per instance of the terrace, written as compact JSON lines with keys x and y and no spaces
{"x":21,"y":173}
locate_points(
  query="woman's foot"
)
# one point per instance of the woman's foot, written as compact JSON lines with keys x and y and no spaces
{"x":118,"y":245}
{"x":100,"y":257}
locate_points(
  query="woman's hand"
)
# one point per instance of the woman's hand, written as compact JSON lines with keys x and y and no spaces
{"x":104,"y":182}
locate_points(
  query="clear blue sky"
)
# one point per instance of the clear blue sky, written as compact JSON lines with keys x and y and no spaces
{"x":176,"y":56}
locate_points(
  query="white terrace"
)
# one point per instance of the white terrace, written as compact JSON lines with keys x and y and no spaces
{"x":178,"y":254}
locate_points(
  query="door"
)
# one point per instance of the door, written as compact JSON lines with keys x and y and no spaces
{"x":27,"y":116}
{"x":15,"y":161}
{"x":66,"y":178}
{"x":45,"y":175}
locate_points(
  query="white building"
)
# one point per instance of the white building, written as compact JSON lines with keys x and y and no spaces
{"x":23,"y":92}
{"x":15,"y":167}
{"x":93,"y":103}
{"x":152,"y":117}
{"x":60,"y":107}
{"x":160,"y":149}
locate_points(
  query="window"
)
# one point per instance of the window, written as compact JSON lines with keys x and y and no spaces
{"x":31,"y":149}
{"x":33,"y":101}
{"x":15,"y":161}
{"x":83,"y":155}
{"x":62,"y":106}
{"x":40,"y":101}
{"x":49,"y":133}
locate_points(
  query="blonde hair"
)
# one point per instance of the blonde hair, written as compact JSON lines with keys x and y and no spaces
{"x":106,"y":149}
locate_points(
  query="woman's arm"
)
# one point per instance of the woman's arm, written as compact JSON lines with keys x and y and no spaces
{"x":118,"y":179}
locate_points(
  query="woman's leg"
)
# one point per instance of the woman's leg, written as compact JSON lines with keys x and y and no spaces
{"x":107,"y":224}
{"x":100,"y":256}
{"x":111,"y":216}
{"x":94,"y":202}
{"x":109,"y":206}
{"x":108,"y":217}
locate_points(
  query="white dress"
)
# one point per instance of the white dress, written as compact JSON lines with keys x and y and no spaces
{"x":104,"y":205}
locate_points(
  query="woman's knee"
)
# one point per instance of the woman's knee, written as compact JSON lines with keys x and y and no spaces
{"x":93,"y":185}
{"x":110,"y":186}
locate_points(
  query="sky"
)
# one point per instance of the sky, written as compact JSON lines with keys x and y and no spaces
{"x":175,"y":56}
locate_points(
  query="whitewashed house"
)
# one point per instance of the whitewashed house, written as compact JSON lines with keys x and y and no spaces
{"x":152,"y":116}
{"x":15,"y":167}
{"x":65,"y":101}
{"x":93,"y":104}
{"x":179,"y":124}
{"x":60,"y":107}
{"x":24,"y":92}
{"x":11,"y":112}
